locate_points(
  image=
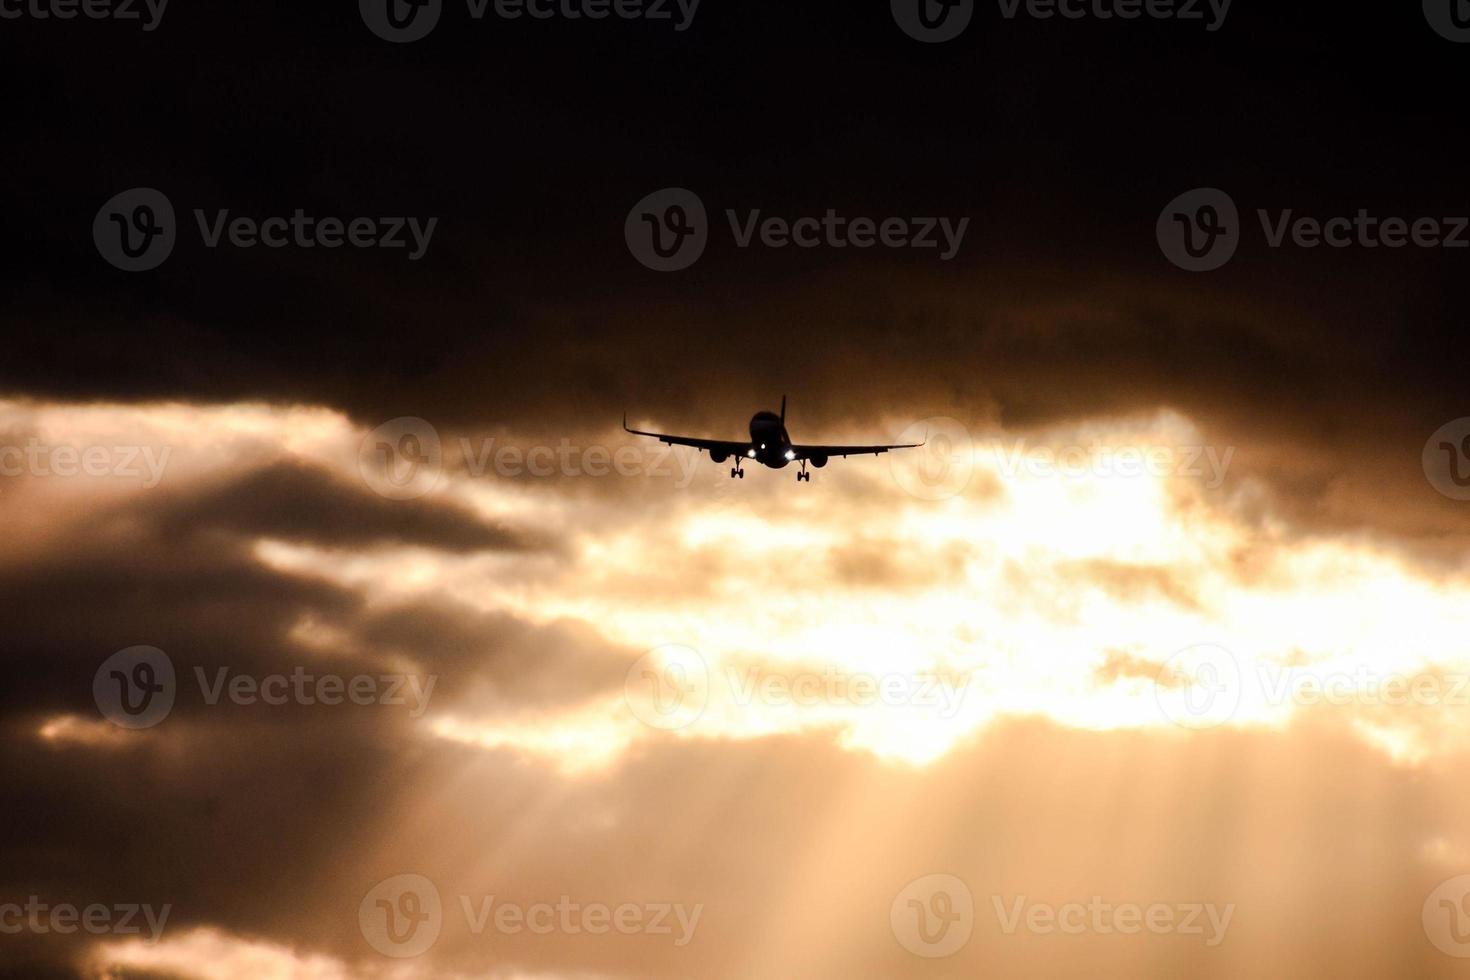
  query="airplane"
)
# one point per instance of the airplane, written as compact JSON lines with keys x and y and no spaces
{"x":769,"y":445}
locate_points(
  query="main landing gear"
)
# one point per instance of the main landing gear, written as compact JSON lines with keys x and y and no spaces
{"x":737,"y":471}
{"x":803,"y":475}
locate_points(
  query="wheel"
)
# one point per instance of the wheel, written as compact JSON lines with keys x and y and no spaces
{"x":740,"y":473}
{"x":733,"y":471}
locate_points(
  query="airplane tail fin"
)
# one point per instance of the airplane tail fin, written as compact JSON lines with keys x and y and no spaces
{"x":783,"y":408}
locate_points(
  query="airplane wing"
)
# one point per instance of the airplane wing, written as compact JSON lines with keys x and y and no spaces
{"x":709,"y":445}
{"x":811,"y":452}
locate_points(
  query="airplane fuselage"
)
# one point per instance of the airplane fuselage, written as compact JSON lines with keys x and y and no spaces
{"x":770,"y":445}
{"x":769,"y":441}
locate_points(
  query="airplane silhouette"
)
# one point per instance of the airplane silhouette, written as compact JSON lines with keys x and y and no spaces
{"x":769,"y":445}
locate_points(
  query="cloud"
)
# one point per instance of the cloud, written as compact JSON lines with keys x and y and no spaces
{"x":791,"y":821}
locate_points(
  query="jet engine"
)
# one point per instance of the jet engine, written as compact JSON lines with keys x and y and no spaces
{"x":818,"y":461}
{"x":718,"y":456}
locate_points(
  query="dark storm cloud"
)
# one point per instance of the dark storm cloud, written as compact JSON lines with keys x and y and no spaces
{"x":1133,"y":583}
{"x":499,"y":662}
{"x":287,"y":787}
{"x":300,"y":502}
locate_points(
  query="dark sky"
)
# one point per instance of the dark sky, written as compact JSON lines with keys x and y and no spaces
{"x":1061,"y":140}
